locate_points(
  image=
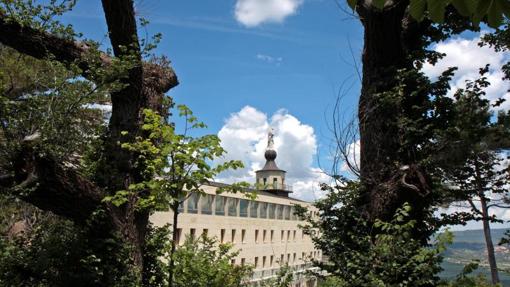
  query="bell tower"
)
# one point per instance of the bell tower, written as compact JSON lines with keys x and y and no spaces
{"x":271,"y":178}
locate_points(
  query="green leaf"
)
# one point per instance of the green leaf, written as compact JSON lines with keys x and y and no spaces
{"x":352,"y":4}
{"x":505,"y":7}
{"x":481,"y":11}
{"x":437,"y":10}
{"x":465,"y":7}
{"x":495,"y":14}
{"x":417,"y":9}
{"x":379,"y":4}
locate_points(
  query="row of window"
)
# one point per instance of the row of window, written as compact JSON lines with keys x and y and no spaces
{"x":291,"y":259}
{"x":222,"y":205}
{"x":260,"y":236}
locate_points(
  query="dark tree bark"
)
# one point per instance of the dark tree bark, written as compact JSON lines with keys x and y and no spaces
{"x":389,"y":179}
{"x":60,"y":189}
{"x":175,"y":234}
{"x":488,"y":240}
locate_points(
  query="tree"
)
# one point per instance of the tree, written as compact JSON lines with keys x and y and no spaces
{"x":176,"y":167}
{"x":395,"y":164}
{"x":136,"y":83}
{"x":200,"y":263}
{"x":357,"y":257}
{"x":492,"y":11}
{"x":473,"y":163}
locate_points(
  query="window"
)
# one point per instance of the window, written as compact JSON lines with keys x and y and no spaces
{"x":286,"y":212}
{"x":294,"y":237}
{"x":288,"y":235}
{"x":283,"y":236}
{"x":256,"y":262}
{"x":272,"y":235}
{"x":264,"y":236}
{"x":264,"y":182}
{"x":243,"y":261}
{"x":292,"y":213}
{"x":222,"y":236}
{"x":281,"y":260}
{"x":233,"y":236}
{"x":271,"y":261}
{"x":254,"y":207}
{"x":180,"y":209}
{"x":294,"y":258}
{"x":192,"y":232}
{"x":256,"y":236}
{"x":232,"y":206}
{"x":279,"y":211}
{"x":288,"y":258}
{"x":206,"y":202}
{"x":243,"y":235}
{"x":220,"y":205}
{"x":233,"y":261}
{"x":243,"y":208}
{"x":205,"y":231}
{"x":270,"y":211}
{"x":263,"y":210}
{"x":275,"y":183}
{"x":263,"y":261}
{"x":193,"y":203}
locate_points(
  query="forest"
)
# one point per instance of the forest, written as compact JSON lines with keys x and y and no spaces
{"x":79,"y":182}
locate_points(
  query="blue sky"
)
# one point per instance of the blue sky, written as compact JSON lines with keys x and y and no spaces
{"x":223,"y":65}
{"x":247,"y":65}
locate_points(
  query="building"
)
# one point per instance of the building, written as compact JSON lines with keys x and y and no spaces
{"x":265,"y":230}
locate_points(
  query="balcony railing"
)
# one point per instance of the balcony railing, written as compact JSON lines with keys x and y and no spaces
{"x":274,"y":186}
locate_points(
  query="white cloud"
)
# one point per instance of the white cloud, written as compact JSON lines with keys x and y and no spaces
{"x":244,"y":136}
{"x":469,"y":58}
{"x":252,"y":13}
{"x":270,"y":59}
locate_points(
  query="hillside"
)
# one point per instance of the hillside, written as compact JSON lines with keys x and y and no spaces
{"x":470,"y":245}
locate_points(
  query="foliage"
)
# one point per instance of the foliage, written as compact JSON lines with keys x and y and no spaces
{"x":176,"y":165}
{"x":44,"y":98}
{"x":473,"y":163}
{"x":332,"y":281}
{"x":490,"y":11}
{"x":465,"y":280}
{"x":51,"y":251}
{"x":359,"y":255}
{"x":203,"y":262}
{"x":283,"y":278}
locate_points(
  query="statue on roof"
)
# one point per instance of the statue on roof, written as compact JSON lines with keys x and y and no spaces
{"x":270,"y":139}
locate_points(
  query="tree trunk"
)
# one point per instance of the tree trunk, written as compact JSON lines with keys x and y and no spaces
{"x":390,"y":38}
{"x":62,"y":190}
{"x":486,"y":225}
{"x":488,"y":241}
{"x":175,"y":209}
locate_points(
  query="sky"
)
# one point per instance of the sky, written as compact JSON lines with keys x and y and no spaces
{"x":247,"y":65}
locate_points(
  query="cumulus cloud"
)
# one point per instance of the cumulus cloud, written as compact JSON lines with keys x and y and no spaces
{"x":244,"y":136}
{"x":252,"y":13}
{"x":469,"y":58}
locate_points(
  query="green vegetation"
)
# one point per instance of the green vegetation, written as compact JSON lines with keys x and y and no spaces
{"x":420,"y":149}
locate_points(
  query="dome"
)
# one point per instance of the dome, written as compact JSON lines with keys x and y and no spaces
{"x":270,"y":154}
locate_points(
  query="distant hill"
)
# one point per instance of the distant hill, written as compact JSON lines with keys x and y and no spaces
{"x":469,"y":245}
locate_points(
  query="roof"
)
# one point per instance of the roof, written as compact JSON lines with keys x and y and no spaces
{"x":220,"y":184}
